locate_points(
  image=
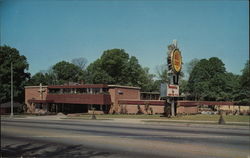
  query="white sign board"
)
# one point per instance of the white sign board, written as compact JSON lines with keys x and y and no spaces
{"x":172,"y":90}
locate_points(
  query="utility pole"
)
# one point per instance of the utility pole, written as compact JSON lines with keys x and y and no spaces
{"x":11,"y":114}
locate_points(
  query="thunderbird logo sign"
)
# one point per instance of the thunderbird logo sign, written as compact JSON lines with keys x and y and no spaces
{"x":176,"y":60}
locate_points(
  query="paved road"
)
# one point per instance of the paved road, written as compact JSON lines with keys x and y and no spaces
{"x":89,"y":138}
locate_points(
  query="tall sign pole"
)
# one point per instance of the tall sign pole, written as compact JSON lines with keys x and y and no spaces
{"x":174,"y":61}
{"x":11,"y":114}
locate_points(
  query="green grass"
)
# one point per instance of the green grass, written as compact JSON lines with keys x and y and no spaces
{"x":15,"y":115}
{"x":189,"y":118}
{"x":227,"y":118}
{"x":110,"y":116}
{"x":198,"y":117}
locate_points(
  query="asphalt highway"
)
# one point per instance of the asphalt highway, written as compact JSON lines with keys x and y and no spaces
{"x":100,"y":138}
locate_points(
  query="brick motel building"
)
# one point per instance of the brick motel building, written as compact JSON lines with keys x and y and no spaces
{"x":83,"y":98}
{"x":104,"y":99}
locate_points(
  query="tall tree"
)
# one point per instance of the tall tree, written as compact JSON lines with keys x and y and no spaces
{"x":232,"y":87}
{"x":183,"y":87}
{"x":135,"y":72}
{"x":95,"y":74}
{"x":147,"y":82}
{"x":115,"y":62}
{"x":67,"y":72}
{"x":80,"y":62}
{"x":245,"y":77}
{"x":111,"y":68}
{"x":37,"y":79}
{"x":190,"y":66}
{"x":162,"y":73}
{"x":116,"y":67}
{"x":207,"y":80}
{"x":46,"y":78}
{"x":20,"y":65}
{"x":244,"y":92}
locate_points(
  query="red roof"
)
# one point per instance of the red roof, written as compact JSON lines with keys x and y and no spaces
{"x":40,"y":101}
{"x":194,"y":103}
{"x":80,"y":86}
{"x":142,"y":102}
{"x":180,"y":103}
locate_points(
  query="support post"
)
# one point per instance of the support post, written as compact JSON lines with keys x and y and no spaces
{"x":11,"y":114}
{"x":172,"y":107}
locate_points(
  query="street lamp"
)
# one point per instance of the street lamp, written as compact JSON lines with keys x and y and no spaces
{"x":11,"y":114}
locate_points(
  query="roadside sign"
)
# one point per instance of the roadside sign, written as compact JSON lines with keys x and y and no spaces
{"x":176,"y":60}
{"x":172,"y":90}
{"x":169,"y":90}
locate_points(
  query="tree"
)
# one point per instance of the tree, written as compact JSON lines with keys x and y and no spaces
{"x":210,"y":81}
{"x":50,"y":76}
{"x":190,"y":65}
{"x":46,"y":78}
{"x":20,"y":65}
{"x":115,"y":63}
{"x":147,"y":82}
{"x":80,"y":62}
{"x":207,"y":80}
{"x":95,"y":74}
{"x":245,"y":77}
{"x":110,"y":68}
{"x":232,"y":86}
{"x":183,"y":87}
{"x":244,"y":91}
{"x":135,"y":72}
{"x":116,"y":67}
{"x":162,"y":73}
{"x":67,"y":72}
{"x":37,"y":79}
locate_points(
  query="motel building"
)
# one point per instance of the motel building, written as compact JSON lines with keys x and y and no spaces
{"x":103,"y":99}
{"x":84,"y":98}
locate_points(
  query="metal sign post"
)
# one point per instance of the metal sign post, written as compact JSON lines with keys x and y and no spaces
{"x":172,"y":107}
{"x":11,"y":108}
{"x":174,"y":60}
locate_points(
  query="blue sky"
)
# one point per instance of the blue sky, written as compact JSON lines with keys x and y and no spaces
{"x":49,"y":31}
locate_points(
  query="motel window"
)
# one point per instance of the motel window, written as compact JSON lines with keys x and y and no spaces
{"x":95,"y":107}
{"x":39,"y":106}
{"x":66,"y":90}
{"x":105,"y":91}
{"x":120,"y":92}
{"x":89,"y":90}
{"x":54,"y":91}
{"x":81,"y":90}
{"x":73,"y":91}
{"x":96,"y":90}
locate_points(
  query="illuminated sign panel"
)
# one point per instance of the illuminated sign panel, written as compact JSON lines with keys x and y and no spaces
{"x":176,"y":61}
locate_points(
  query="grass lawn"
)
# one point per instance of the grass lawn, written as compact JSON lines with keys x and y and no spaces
{"x":111,"y":116}
{"x":15,"y":116}
{"x":198,"y":117}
